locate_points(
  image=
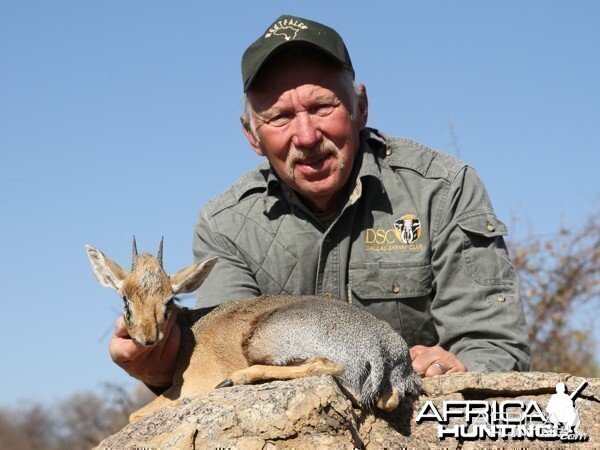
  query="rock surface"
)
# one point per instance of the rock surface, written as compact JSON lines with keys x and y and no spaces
{"x":314,"y":413}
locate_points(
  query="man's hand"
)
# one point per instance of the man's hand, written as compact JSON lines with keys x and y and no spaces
{"x":432,"y":361}
{"x":155,"y":366}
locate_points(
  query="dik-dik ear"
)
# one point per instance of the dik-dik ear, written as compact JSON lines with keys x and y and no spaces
{"x":190,"y":278}
{"x":106,"y":271}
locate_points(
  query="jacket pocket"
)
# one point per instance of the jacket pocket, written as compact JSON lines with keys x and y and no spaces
{"x":484,"y":250}
{"x":398,"y":293}
{"x":390,"y":280}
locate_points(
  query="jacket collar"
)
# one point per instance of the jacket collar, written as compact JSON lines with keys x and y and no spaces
{"x":371,"y":143}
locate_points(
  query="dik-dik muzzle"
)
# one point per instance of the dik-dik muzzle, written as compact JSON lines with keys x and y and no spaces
{"x":148,"y":293}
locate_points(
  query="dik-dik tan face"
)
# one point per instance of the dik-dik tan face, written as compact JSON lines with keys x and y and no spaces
{"x":147,"y":299}
{"x":147,"y":292}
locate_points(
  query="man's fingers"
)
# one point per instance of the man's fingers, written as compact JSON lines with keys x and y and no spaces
{"x":459,"y":367}
{"x":120,"y":350}
{"x":153,"y":365}
{"x":416,"y":351}
{"x":424,"y":359}
{"x":419,"y":362}
{"x":121,"y":347}
{"x":434,"y":361}
{"x":124,"y":350}
{"x":435,"y":369}
{"x":120,"y":329}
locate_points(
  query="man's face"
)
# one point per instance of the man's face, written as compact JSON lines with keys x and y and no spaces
{"x":307,"y":121}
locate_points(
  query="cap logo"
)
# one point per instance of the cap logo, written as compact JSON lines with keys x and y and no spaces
{"x":288,"y":28}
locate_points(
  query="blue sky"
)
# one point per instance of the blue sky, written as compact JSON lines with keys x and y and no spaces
{"x":122,"y":117}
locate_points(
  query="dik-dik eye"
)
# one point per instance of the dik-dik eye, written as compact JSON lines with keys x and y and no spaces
{"x":126,"y":310}
{"x":169,"y":305}
{"x":171,"y":301}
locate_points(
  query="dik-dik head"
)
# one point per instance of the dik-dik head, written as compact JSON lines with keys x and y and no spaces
{"x":147,"y":291}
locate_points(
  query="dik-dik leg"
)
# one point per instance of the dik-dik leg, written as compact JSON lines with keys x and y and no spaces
{"x":257,"y":372}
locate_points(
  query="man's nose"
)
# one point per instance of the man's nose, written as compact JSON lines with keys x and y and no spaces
{"x":306,"y":134}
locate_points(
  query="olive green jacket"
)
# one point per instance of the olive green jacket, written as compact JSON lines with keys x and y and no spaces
{"x":417,"y":245}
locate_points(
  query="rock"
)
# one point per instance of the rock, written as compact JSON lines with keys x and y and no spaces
{"x":309,"y":412}
{"x":315,"y":413}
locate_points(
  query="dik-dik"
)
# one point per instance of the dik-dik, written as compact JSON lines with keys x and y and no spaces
{"x":261,"y":338}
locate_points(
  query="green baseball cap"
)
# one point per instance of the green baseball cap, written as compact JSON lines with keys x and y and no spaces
{"x":288,"y":31}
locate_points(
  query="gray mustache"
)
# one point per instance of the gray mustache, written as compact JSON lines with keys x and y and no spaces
{"x":323,"y":149}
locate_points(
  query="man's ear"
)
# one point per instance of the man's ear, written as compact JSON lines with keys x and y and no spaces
{"x":106,"y":271}
{"x":252,"y":138}
{"x":190,"y":278}
{"x":363,"y":107}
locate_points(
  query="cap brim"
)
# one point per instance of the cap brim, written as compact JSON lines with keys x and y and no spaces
{"x":276,"y":51}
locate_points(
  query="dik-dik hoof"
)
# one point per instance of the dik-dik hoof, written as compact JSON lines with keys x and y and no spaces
{"x":224,"y":383}
{"x":389,"y":402}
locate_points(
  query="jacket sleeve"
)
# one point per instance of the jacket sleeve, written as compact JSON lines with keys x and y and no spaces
{"x":476,"y":309}
{"x":230,"y":278}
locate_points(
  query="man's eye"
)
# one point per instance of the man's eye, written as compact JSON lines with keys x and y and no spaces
{"x":323,"y":108}
{"x":279,"y":120}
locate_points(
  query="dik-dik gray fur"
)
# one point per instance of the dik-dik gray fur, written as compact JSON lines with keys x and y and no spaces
{"x":260,"y":338}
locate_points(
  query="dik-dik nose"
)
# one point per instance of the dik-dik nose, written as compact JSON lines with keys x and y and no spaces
{"x":149,"y":342}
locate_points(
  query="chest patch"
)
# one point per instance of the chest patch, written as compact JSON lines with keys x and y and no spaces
{"x":404,"y":234}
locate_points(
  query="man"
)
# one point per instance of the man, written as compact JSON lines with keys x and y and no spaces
{"x":346,"y":212}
